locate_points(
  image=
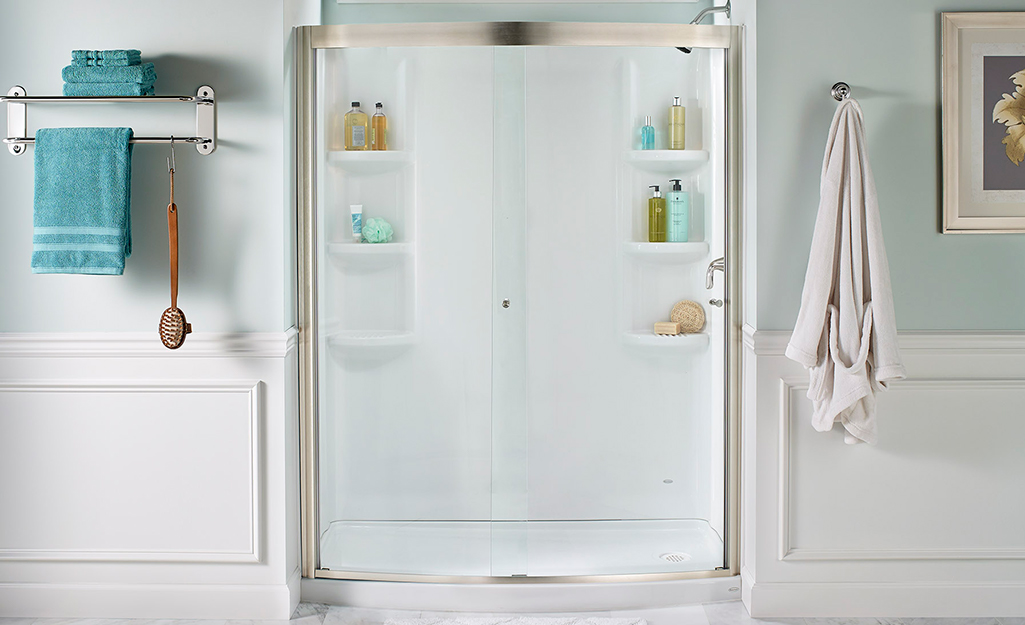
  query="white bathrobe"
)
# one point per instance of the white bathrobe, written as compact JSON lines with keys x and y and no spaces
{"x":846,"y":332}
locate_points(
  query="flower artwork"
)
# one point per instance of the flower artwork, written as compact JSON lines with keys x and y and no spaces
{"x":1010,"y":111}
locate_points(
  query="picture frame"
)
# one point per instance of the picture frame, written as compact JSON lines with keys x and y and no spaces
{"x":983,"y":122}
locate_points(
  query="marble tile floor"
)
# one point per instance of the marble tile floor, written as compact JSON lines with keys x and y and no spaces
{"x":729,"y":613}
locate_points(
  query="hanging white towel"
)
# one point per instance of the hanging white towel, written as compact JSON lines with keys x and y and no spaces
{"x":846,"y":332}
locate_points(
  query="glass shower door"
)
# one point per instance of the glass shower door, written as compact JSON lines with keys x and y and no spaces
{"x":491,"y":398}
{"x":608,"y":439}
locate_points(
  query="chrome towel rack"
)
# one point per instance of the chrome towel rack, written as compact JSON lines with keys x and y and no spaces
{"x":205,"y":100}
{"x":841,"y":91}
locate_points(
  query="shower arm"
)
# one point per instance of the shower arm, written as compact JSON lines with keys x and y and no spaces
{"x":705,"y":13}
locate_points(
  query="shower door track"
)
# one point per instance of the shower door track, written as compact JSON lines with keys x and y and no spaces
{"x":309,"y":39}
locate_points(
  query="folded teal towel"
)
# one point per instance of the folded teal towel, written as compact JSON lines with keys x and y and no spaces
{"x":87,"y":58}
{"x":107,"y":88}
{"x":82,"y":221}
{"x":130,"y":73}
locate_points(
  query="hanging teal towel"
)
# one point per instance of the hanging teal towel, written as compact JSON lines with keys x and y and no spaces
{"x":82,"y":221}
{"x":145,"y":73}
{"x":107,"y":88}
{"x":105,"y":58}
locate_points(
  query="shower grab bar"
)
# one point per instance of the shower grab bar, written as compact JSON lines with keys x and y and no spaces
{"x":841,"y":91}
{"x":205,"y":100}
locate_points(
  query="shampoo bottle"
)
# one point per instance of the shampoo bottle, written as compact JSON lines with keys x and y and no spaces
{"x":647,"y":134}
{"x":676,"y":125}
{"x":656,"y":216}
{"x":379,"y":129}
{"x":678,"y":219}
{"x":356,"y":135}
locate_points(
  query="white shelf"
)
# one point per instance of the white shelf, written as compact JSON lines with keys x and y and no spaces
{"x":370,"y":162}
{"x":369,"y":255}
{"x":667,"y":253}
{"x":656,"y":342}
{"x":370,"y":345}
{"x":667,"y":161}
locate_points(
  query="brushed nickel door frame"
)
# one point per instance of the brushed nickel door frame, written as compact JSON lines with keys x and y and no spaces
{"x":308,"y":40}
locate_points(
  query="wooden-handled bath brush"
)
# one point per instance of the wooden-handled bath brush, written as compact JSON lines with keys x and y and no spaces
{"x":173,"y":326}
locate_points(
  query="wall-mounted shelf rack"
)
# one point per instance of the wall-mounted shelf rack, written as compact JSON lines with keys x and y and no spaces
{"x":205,"y":100}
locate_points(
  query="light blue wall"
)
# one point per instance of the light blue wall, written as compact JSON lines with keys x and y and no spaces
{"x":232,"y":203}
{"x":889,"y":52}
{"x":334,"y":13}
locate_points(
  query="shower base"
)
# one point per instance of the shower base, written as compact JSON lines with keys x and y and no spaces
{"x":521,"y":548}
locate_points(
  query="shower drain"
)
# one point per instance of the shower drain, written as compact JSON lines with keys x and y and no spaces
{"x":675,"y":556}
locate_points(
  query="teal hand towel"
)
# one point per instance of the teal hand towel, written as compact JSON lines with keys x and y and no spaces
{"x":107,"y":88}
{"x":105,"y":58}
{"x":144,"y":73}
{"x":82,"y":221}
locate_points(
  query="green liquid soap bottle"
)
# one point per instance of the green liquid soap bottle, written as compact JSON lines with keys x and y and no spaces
{"x":656,"y":216}
{"x":677,"y":125}
{"x":678,"y":204}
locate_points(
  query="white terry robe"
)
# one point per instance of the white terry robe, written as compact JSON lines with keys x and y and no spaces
{"x":846,"y":332}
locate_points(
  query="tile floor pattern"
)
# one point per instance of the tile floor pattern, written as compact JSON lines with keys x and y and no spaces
{"x":730,"y":613}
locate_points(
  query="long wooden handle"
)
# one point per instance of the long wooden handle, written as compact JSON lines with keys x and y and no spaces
{"x":172,"y":244}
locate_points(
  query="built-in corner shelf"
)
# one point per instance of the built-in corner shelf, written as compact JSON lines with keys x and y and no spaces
{"x":370,"y":344}
{"x":369,"y":255}
{"x":655,"y":342}
{"x":667,"y":253}
{"x":371,"y":162}
{"x":666,"y":161}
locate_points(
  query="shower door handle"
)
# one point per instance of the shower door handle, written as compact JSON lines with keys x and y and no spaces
{"x":717,"y":264}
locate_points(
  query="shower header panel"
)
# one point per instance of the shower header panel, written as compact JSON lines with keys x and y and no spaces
{"x":450,"y":402}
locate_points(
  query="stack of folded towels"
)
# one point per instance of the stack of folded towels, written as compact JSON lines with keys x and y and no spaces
{"x":108,"y":73}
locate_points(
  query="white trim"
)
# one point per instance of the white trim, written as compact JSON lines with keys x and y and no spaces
{"x":774,"y":342}
{"x":163,"y":601}
{"x":893,"y":599}
{"x":786,"y":552}
{"x":371,"y":2}
{"x":252,"y":388}
{"x":145,"y":345}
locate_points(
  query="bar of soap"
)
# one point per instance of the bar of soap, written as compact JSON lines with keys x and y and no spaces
{"x":671,"y":328}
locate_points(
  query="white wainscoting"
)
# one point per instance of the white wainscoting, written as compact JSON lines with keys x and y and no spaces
{"x":138,"y":482}
{"x":928,"y":522}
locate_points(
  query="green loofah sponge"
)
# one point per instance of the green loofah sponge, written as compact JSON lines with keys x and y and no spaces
{"x":377,"y":230}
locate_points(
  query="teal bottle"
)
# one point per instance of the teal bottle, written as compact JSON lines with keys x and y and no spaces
{"x":678,"y":217}
{"x":647,"y":134}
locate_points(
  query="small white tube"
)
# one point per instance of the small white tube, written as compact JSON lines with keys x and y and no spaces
{"x":357,"y":221}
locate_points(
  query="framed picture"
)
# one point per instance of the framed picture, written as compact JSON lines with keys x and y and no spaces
{"x":983,"y":122}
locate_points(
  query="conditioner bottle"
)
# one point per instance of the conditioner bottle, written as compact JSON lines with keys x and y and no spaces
{"x":676,"y":125}
{"x":678,"y":217}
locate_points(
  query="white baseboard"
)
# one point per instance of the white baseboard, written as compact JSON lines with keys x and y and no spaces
{"x":163,"y":601}
{"x":851,"y":599}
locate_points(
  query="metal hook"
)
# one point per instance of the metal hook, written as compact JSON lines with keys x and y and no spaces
{"x":170,"y":162}
{"x":841,"y":91}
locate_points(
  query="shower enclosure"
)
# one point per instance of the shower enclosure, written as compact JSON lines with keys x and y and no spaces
{"x":483,"y":398}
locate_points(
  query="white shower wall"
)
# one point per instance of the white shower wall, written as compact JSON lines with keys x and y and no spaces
{"x":512,"y":177}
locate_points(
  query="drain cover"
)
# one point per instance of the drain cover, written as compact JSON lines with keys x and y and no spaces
{"x":675,"y":556}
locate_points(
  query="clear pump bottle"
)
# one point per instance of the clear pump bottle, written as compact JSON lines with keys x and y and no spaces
{"x":356,"y":135}
{"x":677,"y":125}
{"x":678,"y":216}
{"x":656,"y":216}
{"x":379,"y":129}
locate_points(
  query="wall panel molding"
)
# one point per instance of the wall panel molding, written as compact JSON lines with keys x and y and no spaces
{"x":145,"y":345}
{"x":788,"y":385}
{"x":774,"y":342}
{"x":252,"y":390}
